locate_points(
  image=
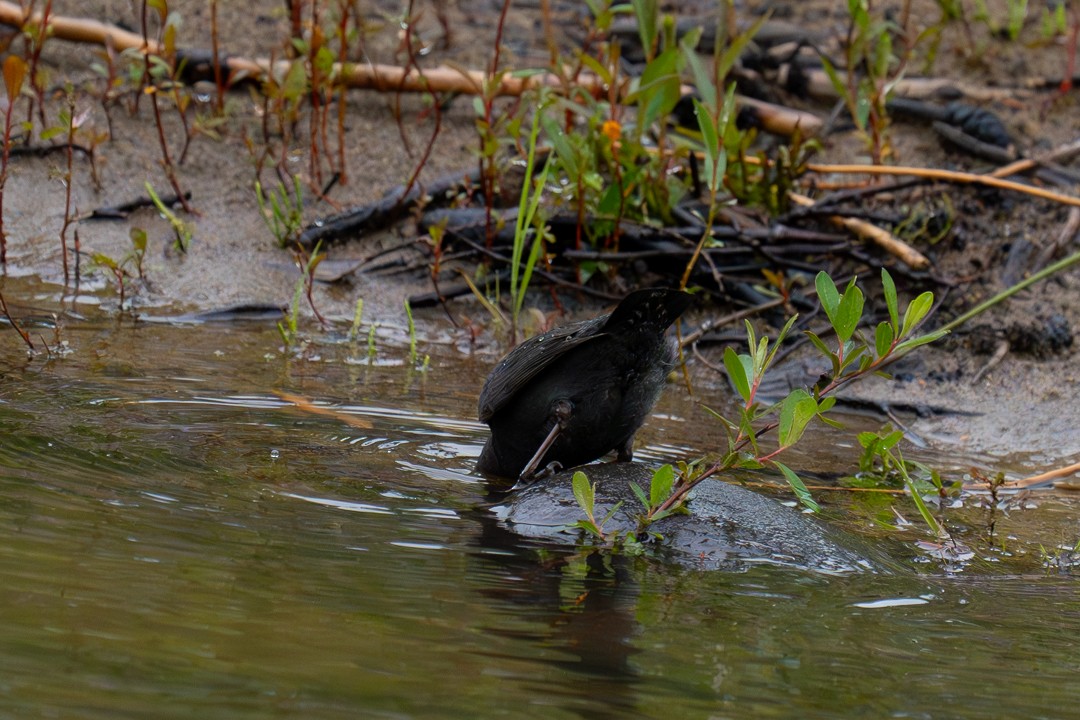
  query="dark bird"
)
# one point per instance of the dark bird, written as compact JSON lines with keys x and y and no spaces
{"x":575,"y":393}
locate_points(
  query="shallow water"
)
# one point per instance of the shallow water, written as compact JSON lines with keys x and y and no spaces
{"x":177,"y":540}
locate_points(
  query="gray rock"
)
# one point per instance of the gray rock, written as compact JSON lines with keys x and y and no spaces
{"x":728,"y":528}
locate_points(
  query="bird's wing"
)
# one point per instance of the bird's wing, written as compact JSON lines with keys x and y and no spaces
{"x":529,"y":359}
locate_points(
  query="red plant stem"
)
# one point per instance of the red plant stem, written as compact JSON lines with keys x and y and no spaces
{"x":25,"y":336}
{"x":487,"y":168}
{"x":437,"y":105}
{"x":4,"y":157}
{"x":318,"y":114}
{"x":166,"y":159}
{"x":343,"y":56}
{"x":120,"y":280}
{"x":35,"y":55}
{"x":1070,"y":63}
{"x":183,"y":120}
{"x":78,"y":253}
{"x":67,"y":189}
{"x":219,"y":101}
{"x":410,"y":62}
{"x":436,"y":110}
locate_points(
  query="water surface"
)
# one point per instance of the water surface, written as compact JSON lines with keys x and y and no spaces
{"x":176,"y":540}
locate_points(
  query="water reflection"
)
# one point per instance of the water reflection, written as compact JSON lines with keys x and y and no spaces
{"x":177,"y":539}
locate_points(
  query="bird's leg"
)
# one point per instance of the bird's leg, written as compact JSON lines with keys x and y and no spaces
{"x":560,"y":410}
{"x":625,"y":452}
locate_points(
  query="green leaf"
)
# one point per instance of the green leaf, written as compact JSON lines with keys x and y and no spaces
{"x":611,"y":513}
{"x":703,"y":78}
{"x":640,"y":495}
{"x":295,"y":83}
{"x":883,"y":338}
{"x":916,"y":311}
{"x":889,"y":288}
{"x":798,"y":487}
{"x":827,"y":295}
{"x":590,"y":527}
{"x":138,"y":239}
{"x":862,"y":108}
{"x":660,"y":487}
{"x":762,"y":352}
{"x":834,"y":77}
{"x":751,"y":336}
{"x":852,"y":352}
{"x":782,"y":335}
{"x":797,"y":410}
{"x":735,"y":50}
{"x":739,"y":369}
{"x":584,"y":493}
{"x":889,"y":441}
{"x":819,"y":343}
{"x":866,"y":438}
{"x":103,"y":260}
{"x":835,"y":424}
{"x":711,"y":140}
{"x":848,"y":313}
{"x":661,"y":515}
{"x":921,"y":340}
{"x":646,"y":12}
{"x":602,"y":71}
{"x":564,"y":151}
{"x":659,"y":88}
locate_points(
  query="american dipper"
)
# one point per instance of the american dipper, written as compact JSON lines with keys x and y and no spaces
{"x":574,"y":393}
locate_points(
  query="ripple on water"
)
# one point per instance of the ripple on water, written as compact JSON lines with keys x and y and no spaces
{"x":176,"y":539}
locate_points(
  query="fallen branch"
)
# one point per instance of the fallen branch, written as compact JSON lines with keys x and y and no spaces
{"x":945,"y":176}
{"x":882,"y":238}
{"x":77,"y":29}
{"x":1031,"y":482}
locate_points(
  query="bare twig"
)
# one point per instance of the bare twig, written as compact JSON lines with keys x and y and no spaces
{"x":945,"y":176}
{"x":868,"y":231}
{"x":1031,"y":482}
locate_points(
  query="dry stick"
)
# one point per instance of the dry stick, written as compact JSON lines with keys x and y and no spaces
{"x":1000,"y":352}
{"x":902,"y":250}
{"x":1029,"y":482}
{"x":947,"y":176}
{"x":77,"y":29}
{"x":1063,"y":238}
{"x":1057,"y":155}
{"x":868,"y":231}
{"x":819,"y":85}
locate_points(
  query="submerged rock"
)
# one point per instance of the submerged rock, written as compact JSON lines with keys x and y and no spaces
{"x":728,"y":528}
